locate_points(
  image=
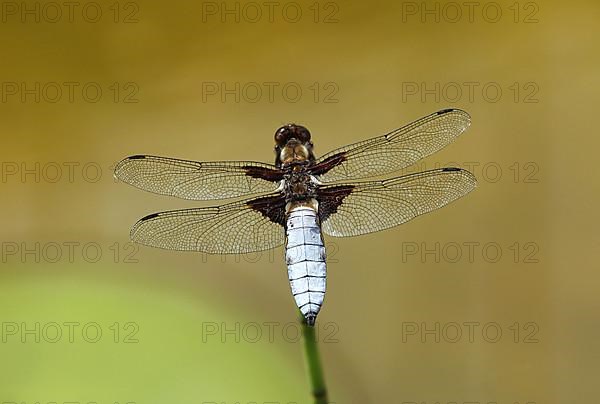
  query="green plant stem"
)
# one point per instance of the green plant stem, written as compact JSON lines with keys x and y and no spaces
{"x":313,"y":363}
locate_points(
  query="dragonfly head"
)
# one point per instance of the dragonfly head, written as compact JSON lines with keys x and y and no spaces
{"x":293,"y":144}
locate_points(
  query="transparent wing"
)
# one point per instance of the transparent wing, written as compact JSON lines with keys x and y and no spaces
{"x":238,"y":227}
{"x":198,"y":180}
{"x":394,"y":151}
{"x":364,"y":207}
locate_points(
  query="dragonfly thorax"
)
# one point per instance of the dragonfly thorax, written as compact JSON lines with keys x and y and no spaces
{"x":298,"y":184}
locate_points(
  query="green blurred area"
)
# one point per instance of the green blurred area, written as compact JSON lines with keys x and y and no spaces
{"x":74,"y":338}
{"x":536,"y":201}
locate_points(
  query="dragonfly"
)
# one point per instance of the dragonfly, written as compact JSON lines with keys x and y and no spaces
{"x":300,"y":197}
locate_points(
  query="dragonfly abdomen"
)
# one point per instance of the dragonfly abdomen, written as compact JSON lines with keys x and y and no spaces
{"x":305,"y":258}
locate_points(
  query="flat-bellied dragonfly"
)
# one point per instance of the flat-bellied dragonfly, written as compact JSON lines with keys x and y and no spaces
{"x":300,"y":197}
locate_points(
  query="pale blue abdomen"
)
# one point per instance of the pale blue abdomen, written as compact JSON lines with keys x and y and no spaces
{"x":305,"y":258}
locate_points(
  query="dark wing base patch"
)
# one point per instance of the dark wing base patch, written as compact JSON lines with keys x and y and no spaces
{"x":271,"y":207}
{"x":331,"y":198}
{"x":263,"y":173}
{"x":328,"y":163}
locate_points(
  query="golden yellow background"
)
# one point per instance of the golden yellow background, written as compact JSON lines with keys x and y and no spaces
{"x":541,"y":205}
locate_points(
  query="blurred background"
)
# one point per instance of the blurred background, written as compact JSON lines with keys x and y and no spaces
{"x":491,"y":299}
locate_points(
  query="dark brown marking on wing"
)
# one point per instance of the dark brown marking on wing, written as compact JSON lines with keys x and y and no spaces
{"x":263,"y":173}
{"x":271,"y":207}
{"x":331,"y":198}
{"x":328,"y":164}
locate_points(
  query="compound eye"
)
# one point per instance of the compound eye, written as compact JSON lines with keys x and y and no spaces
{"x":280,"y":136}
{"x":303,"y":134}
